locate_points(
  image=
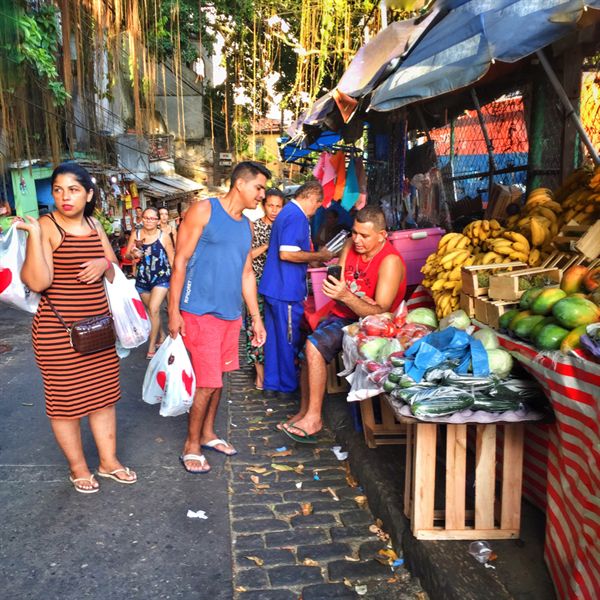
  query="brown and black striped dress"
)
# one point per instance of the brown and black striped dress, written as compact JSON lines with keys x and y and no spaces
{"x":74,"y":384}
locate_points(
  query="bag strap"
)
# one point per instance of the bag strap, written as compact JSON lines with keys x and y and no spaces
{"x":57,"y":313}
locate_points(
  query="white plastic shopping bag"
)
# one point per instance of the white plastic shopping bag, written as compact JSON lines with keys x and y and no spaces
{"x":13,"y":291}
{"x":132,"y":324}
{"x":170,"y":379}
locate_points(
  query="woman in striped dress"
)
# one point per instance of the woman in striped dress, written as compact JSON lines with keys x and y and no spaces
{"x":68,"y":255}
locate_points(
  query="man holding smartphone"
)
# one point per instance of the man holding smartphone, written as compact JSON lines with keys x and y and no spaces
{"x":283,"y":286}
{"x":371,"y":279}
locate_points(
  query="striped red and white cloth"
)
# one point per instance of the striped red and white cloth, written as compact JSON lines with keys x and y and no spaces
{"x":420,"y":298}
{"x":572,"y":548}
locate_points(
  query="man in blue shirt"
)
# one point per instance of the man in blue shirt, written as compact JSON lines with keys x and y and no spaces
{"x":283,"y":286}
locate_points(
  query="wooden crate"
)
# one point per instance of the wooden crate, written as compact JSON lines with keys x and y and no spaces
{"x":505,"y":286}
{"x":489,"y":311}
{"x":493,"y":517}
{"x":579,"y":239}
{"x":467,"y":303}
{"x":335,"y":384}
{"x":469,"y":276}
{"x":384,"y":431}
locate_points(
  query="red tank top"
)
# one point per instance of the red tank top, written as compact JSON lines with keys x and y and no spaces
{"x":361,"y":278}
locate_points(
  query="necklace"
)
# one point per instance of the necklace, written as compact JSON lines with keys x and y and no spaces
{"x":357,"y":274}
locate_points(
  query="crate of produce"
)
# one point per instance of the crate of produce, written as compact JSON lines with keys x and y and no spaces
{"x":510,"y":286}
{"x":475,"y":278}
{"x":460,"y":502}
{"x":489,"y":311}
{"x":581,"y":239}
{"x":467,"y":303}
{"x":415,"y":245}
{"x":379,"y":423}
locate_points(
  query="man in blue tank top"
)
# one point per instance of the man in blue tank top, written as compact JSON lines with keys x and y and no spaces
{"x":283,"y":286}
{"x":212,"y":272}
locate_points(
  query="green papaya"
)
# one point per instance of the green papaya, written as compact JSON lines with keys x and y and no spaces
{"x":550,"y":337}
{"x":506,"y":318}
{"x":571,"y":341}
{"x":536,"y":330}
{"x":543,"y":304}
{"x":522,"y":314}
{"x":572,"y":312}
{"x":528,"y":297}
{"x":525,"y":326}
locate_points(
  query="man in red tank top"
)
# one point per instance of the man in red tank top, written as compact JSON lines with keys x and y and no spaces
{"x":373,"y":282}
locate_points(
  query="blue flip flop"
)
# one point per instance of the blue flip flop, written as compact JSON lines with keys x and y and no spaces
{"x":199,"y":457}
{"x":219,"y":442}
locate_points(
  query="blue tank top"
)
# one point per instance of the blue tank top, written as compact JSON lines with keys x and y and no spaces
{"x":213,"y":278}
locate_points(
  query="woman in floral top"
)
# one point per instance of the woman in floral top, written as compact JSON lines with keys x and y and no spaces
{"x":155,"y":253}
{"x":261,"y":234}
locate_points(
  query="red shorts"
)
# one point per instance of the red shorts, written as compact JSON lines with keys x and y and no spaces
{"x":213,"y":347}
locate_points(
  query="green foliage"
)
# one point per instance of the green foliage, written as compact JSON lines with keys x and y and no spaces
{"x":37,"y":48}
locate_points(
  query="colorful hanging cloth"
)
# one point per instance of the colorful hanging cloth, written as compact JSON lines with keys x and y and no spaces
{"x":361,"y":175}
{"x":325,"y":173}
{"x":338,"y":160}
{"x":351,"y":190}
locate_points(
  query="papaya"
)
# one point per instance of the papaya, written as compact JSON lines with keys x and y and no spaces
{"x":528,"y":297}
{"x":577,"y":295}
{"x":550,"y":337}
{"x":522,"y":314}
{"x":573,"y":312}
{"x":591,"y":282}
{"x":506,"y":318}
{"x":536,"y":330}
{"x":543,"y":304}
{"x":525,"y":326}
{"x":571,"y":341}
{"x":572,"y":279}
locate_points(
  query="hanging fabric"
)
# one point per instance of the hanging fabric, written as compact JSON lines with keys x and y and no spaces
{"x":351,"y":189}
{"x":325,"y":173}
{"x":338,"y":160}
{"x":361,"y":176}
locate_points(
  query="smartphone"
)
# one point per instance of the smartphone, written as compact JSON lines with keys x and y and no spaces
{"x":335,"y":271}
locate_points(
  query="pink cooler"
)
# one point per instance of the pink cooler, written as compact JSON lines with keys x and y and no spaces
{"x":317,"y":276}
{"x":415,"y":245}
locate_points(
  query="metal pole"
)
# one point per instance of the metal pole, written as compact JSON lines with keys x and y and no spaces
{"x":488,"y":142}
{"x":567,"y":104}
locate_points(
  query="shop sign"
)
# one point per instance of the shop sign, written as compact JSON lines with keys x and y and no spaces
{"x":225,"y":159}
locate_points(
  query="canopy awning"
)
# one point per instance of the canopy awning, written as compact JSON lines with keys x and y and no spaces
{"x":462,"y":46}
{"x":168,"y":186}
{"x":293,"y":150}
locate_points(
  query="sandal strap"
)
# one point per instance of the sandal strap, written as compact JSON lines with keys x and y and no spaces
{"x":217,"y":442}
{"x":197,"y":457}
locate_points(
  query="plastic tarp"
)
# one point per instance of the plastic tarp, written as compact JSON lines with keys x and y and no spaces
{"x":293,"y":150}
{"x":461,"y":47}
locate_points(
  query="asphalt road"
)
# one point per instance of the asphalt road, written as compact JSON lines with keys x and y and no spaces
{"x":125,"y":542}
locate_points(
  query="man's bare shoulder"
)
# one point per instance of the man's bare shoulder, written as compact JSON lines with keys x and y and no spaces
{"x":199,"y":212}
{"x":391,"y":260}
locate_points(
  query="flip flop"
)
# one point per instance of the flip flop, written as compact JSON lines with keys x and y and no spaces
{"x":113,"y":475}
{"x":307,"y":438}
{"x":213,"y":443}
{"x":81,"y":490}
{"x":150,"y":355}
{"x":199,"y":457}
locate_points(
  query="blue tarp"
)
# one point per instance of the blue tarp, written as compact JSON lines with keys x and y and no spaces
{"x":293,"y":150}
{"x":460,"y":49}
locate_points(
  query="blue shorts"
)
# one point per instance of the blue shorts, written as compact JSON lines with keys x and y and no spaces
{"x":146,"y":290}
{"x":328,"y":336}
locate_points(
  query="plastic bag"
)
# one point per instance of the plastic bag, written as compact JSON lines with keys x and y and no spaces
{"x":377,"y":326}
{"x":13,"y":291}
{"x":129,"y":315}
{"x":409,"y":333}
{"x":170,"y":379}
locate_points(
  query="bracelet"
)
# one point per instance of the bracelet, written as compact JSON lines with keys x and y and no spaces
{"x":255,"y":315}
{"x":108,"y":263}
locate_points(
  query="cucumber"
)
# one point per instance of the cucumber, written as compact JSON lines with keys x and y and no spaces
{"x":396,"y":374}
{"x":495,"y":404}
{"x":397,"y":361}
{"x":389,"y":386}
{"x":441,"y":407}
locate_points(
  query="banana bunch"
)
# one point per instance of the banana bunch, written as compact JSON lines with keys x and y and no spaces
{"x":582,"y":204}
{"x":442,"y":271}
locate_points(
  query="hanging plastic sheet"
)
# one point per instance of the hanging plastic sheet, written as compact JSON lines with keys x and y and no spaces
{"x":325,"y":173}
{"x":338,"y":160}
{"x":351,"y":189}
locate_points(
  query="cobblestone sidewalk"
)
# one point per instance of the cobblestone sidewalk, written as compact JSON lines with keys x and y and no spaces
{"x":300,"y":526}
